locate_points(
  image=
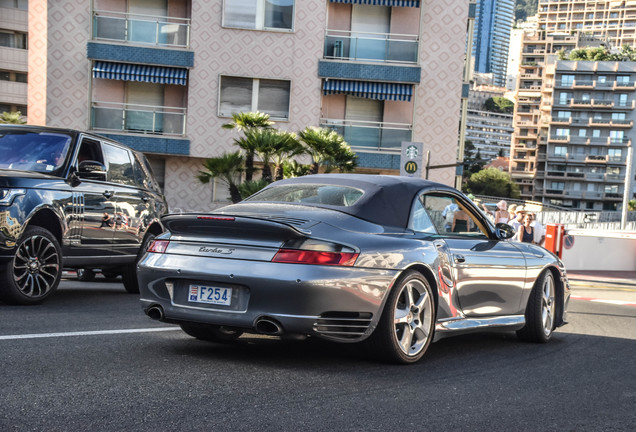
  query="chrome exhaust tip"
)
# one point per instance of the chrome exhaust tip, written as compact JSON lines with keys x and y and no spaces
{"x":155,"y":312}
{"x":268,"y":326}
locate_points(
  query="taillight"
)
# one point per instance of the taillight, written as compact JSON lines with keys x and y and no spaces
{"x":158,"y":246}
{"x":319,"y":252}
{"x":295,"y":256}
{"x":218,"y":218}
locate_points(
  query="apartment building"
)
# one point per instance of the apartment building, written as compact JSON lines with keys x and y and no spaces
{"x":611,"y":19}
{"x":489,"y":132}
{"x":493,"y":23}
{"x":590,"y":126}
{"x":163,"y":76}
{"x":13,"y":56}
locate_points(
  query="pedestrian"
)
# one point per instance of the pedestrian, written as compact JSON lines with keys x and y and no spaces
{"x":511,"y":212}
{"x":449,"y":215}
{"x":539,"y":230}
{"x":501,"y":214}
{"x":526,"y":232}
{"x":518,"y":219}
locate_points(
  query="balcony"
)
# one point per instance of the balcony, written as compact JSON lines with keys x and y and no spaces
{"x":135,"y":118}
{"x":619,"y":141}
{"x":622,"y":123}
{"x":141,"y":29}
{"x":596,"y":159}
{"x":559,"y":138}
{"x":561,"y":121}
{"x":371,"y":47}
{"x":600,"y":103}
{"x":367,"y":135}
{"x":599,"y":122}
{"x":623,"y":85}
{"x":583,"y":84}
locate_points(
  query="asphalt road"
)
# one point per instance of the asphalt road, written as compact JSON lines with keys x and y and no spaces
{"x":66,"y":365}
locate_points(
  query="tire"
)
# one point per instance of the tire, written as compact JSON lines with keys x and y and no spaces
{"x":406,"y":326}
{"x":129,"y":276}
{"x":540,"y":311}
{"x":211,"y":333}
{"x":85,"y":275}
{"x":35,"y":270}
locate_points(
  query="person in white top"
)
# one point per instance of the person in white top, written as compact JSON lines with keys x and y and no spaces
{"x":517,"y":221}
{"x":539,"y":230}
{"x":501,"y":215}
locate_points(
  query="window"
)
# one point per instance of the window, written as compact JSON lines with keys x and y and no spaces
{"x":14,"y":4}
{"x":562,"y":132}
{"x":622,"y":80}
{"x":618,"y":116}
{"x":582,"y":132}
{"x":601,"y":79}
{"x":557,"y":186}
{"x":13,"y":40}
{"x":596,"y":133}
{"x":622,"y":99}
{"x":560,"y":150}
{"x":259,"y":14}
{"x":614,"y":154}
{"x":253,"y":94}
{"x":564,"y":98}
{"x":567,"y":80}
{"x":333,"y":195}
{"x":617,"y":137}
{"x":564,"y":115}
{"x":444,"y":214}
{"x":585,"y":97}
{"x":118,"y":165}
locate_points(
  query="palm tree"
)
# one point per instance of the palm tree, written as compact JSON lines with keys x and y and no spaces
{"x":228,"y":168}
{"x":246,"y":122}
{"x":14,"y":117}
{"x":287,"y":147}
{"x":249,"y":188}
{"x":327,"y":147}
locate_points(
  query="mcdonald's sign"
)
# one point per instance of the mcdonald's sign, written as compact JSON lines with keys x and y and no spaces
{"x":411,"y":159}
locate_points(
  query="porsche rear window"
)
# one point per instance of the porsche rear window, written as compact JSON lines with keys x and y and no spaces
{"x":333,"y":195}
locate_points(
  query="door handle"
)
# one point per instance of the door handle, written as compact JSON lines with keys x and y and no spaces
{"x":459,"y":259}
{"x":108,"y":194}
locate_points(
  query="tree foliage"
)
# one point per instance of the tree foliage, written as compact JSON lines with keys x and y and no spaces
{"x":327,"y":148}
{"x":525,"y":8}
{"x":492,"y":182}
{"x":228,"y":168}
{"x":248,"y":122}
{"x":14,"y":117}
{"x":499,"y":105}
{"x":626,"y":53}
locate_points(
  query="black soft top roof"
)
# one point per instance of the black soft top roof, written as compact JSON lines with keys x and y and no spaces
{"x":386,"y":200}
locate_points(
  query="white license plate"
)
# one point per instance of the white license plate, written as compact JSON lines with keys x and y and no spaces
{"x":210,"y":295}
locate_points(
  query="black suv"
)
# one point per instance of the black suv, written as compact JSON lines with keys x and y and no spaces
{"x":71,"y":199}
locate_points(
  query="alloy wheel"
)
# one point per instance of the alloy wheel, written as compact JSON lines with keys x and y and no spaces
{"x":36,"y":266}
{"x":548,"y":305}
{"x":413,"y":317}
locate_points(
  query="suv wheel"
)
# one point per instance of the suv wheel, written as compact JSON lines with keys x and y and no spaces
{"x":35,"y":270}
{"x":129,"y":277}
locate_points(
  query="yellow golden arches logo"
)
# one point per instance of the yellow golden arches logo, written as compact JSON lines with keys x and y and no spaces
{"x":410,"y":167}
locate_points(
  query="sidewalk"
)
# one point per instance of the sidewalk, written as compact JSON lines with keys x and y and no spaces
{"x":624,"y":279}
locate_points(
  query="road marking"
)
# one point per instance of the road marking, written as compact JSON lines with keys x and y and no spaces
{"x":596,"y":300}
{"x":88,"y":333}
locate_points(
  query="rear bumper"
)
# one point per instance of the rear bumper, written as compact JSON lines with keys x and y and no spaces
{"x":338,"y":303}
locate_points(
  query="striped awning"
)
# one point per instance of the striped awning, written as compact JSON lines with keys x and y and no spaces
{"x":393,"y":3}
{"x":369,"y":90}
{"x":143,"y":73}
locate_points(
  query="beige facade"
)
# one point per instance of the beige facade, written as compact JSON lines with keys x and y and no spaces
{"x":65,"y":89}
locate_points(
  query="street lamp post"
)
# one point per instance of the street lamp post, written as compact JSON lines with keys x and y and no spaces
{"x":627,"y":194}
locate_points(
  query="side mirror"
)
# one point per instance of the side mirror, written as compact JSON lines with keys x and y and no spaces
{"x":93,"y":170}
{"x":504,"y":231}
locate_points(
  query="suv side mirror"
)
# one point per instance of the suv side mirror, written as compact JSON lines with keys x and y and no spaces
{"x":505,"y":231}
{"x":90,"y":169}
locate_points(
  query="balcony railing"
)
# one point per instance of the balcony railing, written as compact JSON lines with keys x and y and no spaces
{"x":145,"y":29}
{"x":369,"y":135}
{"x":373,"y":47}
{"x":137,"y":118}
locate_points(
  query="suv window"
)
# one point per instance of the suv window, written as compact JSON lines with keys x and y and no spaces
{"x":118,"y":165}
{"x":90,"y":150}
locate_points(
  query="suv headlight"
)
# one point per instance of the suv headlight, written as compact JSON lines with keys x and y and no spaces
{"x":7,"y":195}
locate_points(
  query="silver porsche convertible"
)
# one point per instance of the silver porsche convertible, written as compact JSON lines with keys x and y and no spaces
{"x":393,"y":262}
